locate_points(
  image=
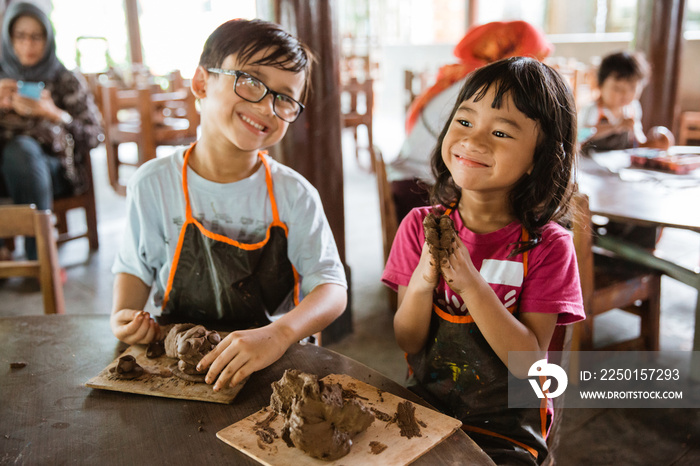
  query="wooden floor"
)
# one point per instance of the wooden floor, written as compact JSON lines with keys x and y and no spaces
{"x":600,"y":437}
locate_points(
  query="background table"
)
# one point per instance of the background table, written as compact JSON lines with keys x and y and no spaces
{"x":646,"y":198}
{"x":47,"y":415}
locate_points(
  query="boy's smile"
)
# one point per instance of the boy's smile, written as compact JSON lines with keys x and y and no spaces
{"x":489,"y":149}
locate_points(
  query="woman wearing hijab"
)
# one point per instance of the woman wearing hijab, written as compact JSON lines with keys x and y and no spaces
{"x":48,"y":119}
{"x":410,"y":174}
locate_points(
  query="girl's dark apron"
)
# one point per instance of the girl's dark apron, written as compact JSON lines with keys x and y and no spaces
{"x":459,"y":373}
{"x":217,"y":280}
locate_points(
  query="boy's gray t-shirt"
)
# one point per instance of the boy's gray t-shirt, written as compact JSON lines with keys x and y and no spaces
{"x":155,"y":213}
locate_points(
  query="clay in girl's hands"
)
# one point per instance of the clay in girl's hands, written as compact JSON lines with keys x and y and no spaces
{"x":440,"y":235}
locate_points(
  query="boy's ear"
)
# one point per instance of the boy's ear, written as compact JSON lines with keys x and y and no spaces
{"x":199,"y":82}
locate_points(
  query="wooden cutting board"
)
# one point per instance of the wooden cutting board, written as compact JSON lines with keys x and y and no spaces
{"x":399,"y":450}
{"x":158,"y":380}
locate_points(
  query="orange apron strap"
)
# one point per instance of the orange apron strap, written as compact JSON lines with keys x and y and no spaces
{"x":188,"y":207}
{"x":270,"y":190}
{"x":525,"y":237}
{"x":479,"y":430}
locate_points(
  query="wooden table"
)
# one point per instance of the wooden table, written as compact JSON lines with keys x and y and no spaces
{"x":47,"y":415}
{"x":642,"y":197}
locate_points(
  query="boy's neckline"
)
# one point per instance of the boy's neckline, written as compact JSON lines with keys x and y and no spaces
{"x":239,"y":167}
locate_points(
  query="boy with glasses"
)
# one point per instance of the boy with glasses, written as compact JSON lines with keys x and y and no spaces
{"x":231,"y":238}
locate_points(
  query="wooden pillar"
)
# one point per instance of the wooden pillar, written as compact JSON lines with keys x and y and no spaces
{"x":131,"y":9}
{"x":472,"y":13}
{"x":312,"y":145}
{"x":659,"y":35}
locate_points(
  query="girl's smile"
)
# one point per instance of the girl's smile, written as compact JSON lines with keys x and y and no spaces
{"x":489,"y":149}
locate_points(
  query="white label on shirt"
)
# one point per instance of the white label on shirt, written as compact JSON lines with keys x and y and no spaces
{"x":502,"y":272}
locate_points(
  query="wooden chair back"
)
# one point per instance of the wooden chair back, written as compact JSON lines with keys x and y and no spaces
{"x":387,"y":212}
{"x":148,"y":116}
{"x":359,"y":97}
{"x":25,"y":220}
{"x":415,"y":82}
{"x":609,"y":282}
{"x":689,"y":129}
{"x":85,"y":201}
{"x":387,"y":209}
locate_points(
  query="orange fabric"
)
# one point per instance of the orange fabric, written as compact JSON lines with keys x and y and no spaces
{"x":479,"y":430}
{"x":482,"y":45}
{"x":189,"y":219}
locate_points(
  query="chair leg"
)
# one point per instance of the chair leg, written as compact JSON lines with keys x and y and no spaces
{"x":61,"y":222}
{"x":651,"y":317}
{"x":113,"y":167}
{"x":91,"y":222}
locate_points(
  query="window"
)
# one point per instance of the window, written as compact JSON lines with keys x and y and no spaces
{"x":172,"y":31}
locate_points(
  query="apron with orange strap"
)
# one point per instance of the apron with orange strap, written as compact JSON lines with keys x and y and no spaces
{"x":215,"y":279}
{"x":459,"y":373}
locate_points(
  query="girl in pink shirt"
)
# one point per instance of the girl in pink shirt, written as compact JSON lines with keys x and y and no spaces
{"x":503,"y":164}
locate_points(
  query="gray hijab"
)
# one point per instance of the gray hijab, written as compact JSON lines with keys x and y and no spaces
{"x":10,"y":67}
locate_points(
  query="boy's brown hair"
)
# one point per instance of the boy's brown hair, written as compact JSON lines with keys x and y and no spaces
{"x":624,"y":65}
{"x":245,"y":38}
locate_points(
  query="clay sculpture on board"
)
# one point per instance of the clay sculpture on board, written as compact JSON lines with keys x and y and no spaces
{"x":318,"y":419}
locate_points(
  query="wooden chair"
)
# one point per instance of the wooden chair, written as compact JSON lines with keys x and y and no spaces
{"x":85,"y":201}
{"x":559,"y":353}
{"x":689,"y":128}
{"x":25,"y":220}
{"x":609,"y":282}
{"x":387,"y":210}
{"x":415,"y":82}
{"x":355,"y":115}
{"x":149,"y":117}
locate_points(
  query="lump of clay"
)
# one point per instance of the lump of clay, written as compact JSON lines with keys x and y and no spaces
{"x":127,"y":368}
{"x":318,"y":420}
{"x":440,"y":235}
{"x":189,"y":343}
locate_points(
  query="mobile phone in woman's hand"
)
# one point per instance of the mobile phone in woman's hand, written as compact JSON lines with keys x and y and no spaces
{"x":30,"y":89}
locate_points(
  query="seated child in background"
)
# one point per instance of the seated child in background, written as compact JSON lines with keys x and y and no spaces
{"x":614,"y":120}
{"x":503,"y":168}
{"x":228,"y":236}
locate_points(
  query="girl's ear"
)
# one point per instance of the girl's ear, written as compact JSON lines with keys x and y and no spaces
{"x":199,"y":82}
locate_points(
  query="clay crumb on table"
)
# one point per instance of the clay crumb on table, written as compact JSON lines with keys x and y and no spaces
{"x":406,"y":420}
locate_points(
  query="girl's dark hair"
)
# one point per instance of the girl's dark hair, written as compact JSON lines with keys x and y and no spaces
{"x":541,"y":94}
{"x":245,"y":38}
{"x":624,"y":65}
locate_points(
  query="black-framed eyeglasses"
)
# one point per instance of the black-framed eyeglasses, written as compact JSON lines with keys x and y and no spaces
{"x":253,"y":90}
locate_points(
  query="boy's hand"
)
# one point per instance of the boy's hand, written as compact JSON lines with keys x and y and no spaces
{"x":240,"y":354}
{"x":134,"y":327}
{"x":458,"y":268}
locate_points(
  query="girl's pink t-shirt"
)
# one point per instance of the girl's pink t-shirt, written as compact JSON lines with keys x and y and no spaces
{"x":551,"y":284}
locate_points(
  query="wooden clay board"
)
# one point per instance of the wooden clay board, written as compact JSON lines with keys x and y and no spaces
{"x":158,"y":380}
{"x":400,"y":450}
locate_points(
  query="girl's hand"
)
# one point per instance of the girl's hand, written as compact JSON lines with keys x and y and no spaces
{"x":425,"y":276}
{"x":458,"y":269}
{"x":240,"y":354}
{"x":134,"y":327}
